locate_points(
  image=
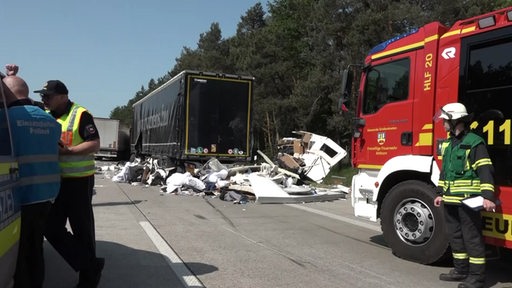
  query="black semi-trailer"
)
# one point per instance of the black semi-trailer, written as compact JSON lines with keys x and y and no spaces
{"x":193,"y":117}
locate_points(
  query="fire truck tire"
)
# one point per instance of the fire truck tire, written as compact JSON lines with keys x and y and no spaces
{"x":412,"y":226}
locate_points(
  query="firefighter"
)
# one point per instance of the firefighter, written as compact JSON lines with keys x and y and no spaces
{"x":79,"y":141}
{"x":467,"y":171}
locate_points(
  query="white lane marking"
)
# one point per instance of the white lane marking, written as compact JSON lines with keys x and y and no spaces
{"x":184,"y":274}
{"x":337,"y":217}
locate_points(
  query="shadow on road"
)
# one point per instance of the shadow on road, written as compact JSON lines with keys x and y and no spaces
{"x":498,"y":265}
{"x":135,"y":202}
{"x":379,"y":240}
{"x":124,"y":267}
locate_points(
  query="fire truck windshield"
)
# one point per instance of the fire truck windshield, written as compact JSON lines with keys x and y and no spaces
{"x":386,"y":83}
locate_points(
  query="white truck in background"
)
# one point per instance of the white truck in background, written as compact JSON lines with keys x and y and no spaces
{"x":114,"y":140}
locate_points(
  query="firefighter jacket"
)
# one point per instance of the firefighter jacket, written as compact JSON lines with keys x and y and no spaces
{"x":74,"y":165}
{"x":466,"y":170}
{"x":35,"y":141}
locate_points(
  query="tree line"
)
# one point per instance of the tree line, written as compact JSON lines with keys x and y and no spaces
{"x":297,"y":49}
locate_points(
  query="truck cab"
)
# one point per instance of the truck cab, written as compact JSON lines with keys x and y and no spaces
{"x":10,"y":215}
{"x":396,"y":141}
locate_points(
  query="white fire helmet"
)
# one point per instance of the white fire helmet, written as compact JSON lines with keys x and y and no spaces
{"x":453,"y":111}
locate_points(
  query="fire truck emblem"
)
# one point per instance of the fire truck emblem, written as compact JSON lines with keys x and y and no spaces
{"x":449,"y":53}
{"x":381,"y":138}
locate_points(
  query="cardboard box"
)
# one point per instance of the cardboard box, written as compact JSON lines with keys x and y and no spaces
{"x":288,"y":162}
{"x":298,"y":147}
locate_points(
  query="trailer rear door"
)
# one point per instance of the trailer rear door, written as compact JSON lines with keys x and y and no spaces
{"x":218,"y":116}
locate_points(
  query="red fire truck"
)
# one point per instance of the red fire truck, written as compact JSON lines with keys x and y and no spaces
{"x":396,"y":142}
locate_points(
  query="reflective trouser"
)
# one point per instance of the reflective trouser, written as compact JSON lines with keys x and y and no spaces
{"x":464,"y":228}
{"x":30,"y":265}
{"x":73,"y":204}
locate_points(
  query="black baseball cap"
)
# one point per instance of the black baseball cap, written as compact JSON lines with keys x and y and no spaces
{"x":53,"y":87}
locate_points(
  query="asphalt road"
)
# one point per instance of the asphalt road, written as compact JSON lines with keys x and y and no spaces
{"x":151,"y":239}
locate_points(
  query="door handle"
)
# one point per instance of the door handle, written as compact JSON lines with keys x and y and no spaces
{"x":406,"y":138}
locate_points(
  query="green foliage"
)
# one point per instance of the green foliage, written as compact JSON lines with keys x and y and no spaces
{"x":297,"y":49}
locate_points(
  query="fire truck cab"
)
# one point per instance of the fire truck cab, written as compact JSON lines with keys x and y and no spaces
{"x":396,"y":142}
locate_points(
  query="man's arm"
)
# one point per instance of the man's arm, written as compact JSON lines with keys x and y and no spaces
{"x":485,"y":171}
{"x":88,"y":132}
{"x":87,"y":147}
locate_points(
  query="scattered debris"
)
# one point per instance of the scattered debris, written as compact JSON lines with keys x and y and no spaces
{"x":312,"y":156}
{"x":267,"y":191}
{"x":178,"y":181}
{"x":300,"y":161}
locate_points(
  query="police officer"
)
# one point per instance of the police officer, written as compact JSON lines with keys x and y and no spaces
{"x":35,"y":137}
{"x":467,"y":171}
{"x":79,"y":141}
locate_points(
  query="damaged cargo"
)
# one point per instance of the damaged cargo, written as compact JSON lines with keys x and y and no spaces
{"x":312,"y":155}
{"x":310,"y":160}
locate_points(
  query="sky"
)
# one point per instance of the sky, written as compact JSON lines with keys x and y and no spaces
{"x":106,"y":50}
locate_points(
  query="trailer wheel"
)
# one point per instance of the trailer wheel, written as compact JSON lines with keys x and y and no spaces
{"x":412,"y":226}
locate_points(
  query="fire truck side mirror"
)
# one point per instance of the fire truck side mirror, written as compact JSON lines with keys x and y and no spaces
{"x":346,"y":90}
{"x":358,"y":124}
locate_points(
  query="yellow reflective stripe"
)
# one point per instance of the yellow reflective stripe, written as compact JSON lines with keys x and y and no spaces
{"x":474,"y":260}
{"x":5,"y":168}
{"x":460,"y":255}
{"x":72,"y":175}
{"x":486,"y":186}
{"x":416,"y":45}
{"x":452,"y":199}
{"x":444,"y":145}
{"x":83,"y":169}
{"x":462,"y":182}
{"x":72,"y":117}
{"x":467,"y":165}
{"x":458,"y":32}
{"x":10,"y":235}
{"x":77,"y":165}
{"x":369,"y":166}
{"x":460,"y":190}
{"x":76,"y":158}
{"x":465,"y":186}
{"x":482,"y":162}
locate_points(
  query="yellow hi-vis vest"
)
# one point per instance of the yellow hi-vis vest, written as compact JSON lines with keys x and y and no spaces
{"x":74,"y":165}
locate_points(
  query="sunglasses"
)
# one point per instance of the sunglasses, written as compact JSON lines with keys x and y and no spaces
{"x":46,"y":96}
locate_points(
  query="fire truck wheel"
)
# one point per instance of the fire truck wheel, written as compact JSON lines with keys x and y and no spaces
{"x":412,"y":226}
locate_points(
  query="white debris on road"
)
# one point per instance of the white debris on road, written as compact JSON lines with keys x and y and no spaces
{"x":311,"y":160}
